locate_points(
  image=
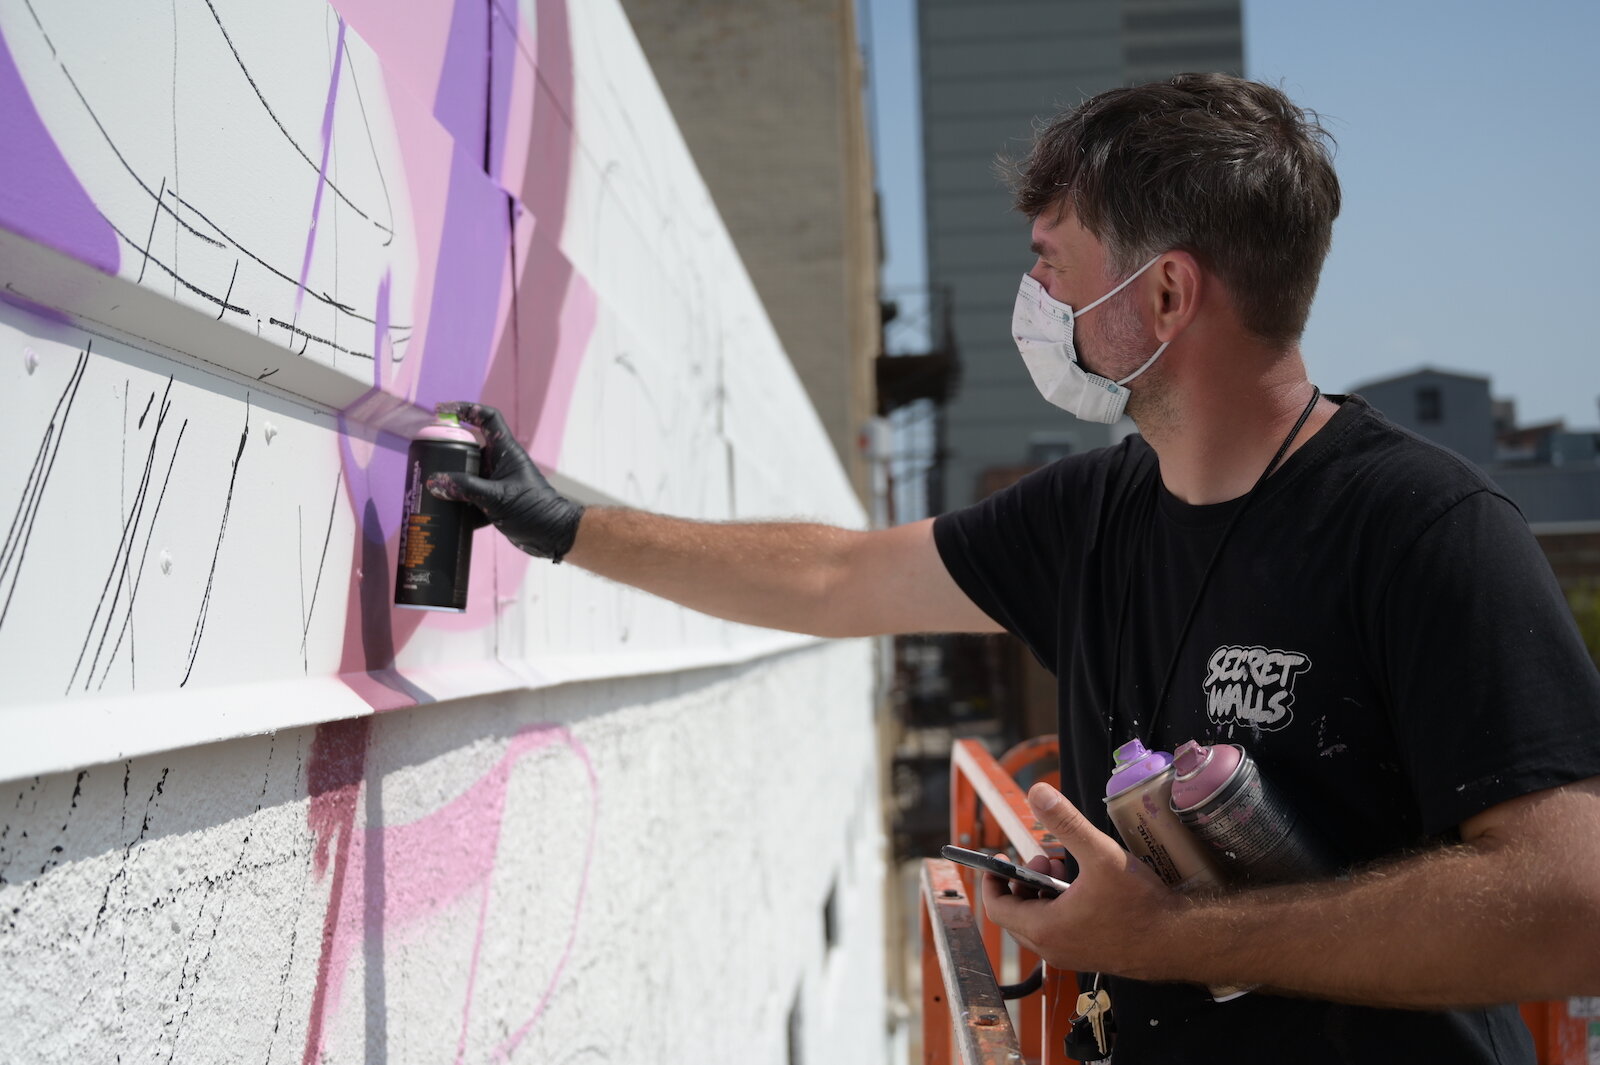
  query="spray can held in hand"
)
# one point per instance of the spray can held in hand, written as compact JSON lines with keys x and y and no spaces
{"x":1251,"y":831}
{"x":1139,"y":800}
{"x":435,"y":536}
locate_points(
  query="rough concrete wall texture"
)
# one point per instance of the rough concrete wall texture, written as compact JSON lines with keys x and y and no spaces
{"x":250,"y":811}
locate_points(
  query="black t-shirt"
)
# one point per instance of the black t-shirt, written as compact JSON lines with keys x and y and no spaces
{"x":1381,"y":632}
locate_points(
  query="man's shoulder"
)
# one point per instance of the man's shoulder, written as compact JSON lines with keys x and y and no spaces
{"x":1385,"y":463}
{"x":1113,"y":467}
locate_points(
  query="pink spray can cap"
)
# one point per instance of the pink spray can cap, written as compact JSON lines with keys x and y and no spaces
{"x":1134,"y":764}
{"x":448,"y":427}
{"x":1201,"y":771}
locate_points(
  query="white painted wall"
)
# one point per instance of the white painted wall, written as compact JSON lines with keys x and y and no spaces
{"x":247,"y":810}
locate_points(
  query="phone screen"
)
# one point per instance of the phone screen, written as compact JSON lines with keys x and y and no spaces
{"x":1047,"y":885}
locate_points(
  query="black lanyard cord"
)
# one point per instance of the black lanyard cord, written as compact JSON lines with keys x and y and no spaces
{"x":1205,"y":578}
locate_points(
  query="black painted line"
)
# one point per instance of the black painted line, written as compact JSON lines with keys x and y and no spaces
{"x":229,"y":295}
{"x":297,"y":331}
{"x":123,"y":544}
{"x":222,"y":531}
{"x":319,"y":297}
{"x":144,"y":559}
{"x":273,"y":115}
{"x":333,"y":508}
{"x":377,"y":164}
{"x":155,"y":215}
{"x":16,"y":549}
{"x":202,"y":293}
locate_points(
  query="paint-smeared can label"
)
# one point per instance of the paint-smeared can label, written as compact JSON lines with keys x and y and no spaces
{"x":435,"y":537}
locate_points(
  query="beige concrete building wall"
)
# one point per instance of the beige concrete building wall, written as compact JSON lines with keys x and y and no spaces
{"x":768,"y":94}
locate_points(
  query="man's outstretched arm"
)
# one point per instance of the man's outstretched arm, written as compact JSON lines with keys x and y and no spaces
{"x":1510,"y":914}
{"x":798,"y":576}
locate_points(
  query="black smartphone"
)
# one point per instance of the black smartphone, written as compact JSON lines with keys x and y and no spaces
{"x":1048,"y":886}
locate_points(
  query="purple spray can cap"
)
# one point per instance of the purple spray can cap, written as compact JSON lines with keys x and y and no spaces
{"x":1133,"y":765}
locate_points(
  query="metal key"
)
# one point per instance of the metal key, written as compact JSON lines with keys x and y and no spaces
{"x":1079,"y":1042}
{"x":1095,"y":1007}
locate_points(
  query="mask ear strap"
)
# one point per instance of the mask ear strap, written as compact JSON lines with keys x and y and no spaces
{"x":1147,"y":364}
{"x":1126,"y":282}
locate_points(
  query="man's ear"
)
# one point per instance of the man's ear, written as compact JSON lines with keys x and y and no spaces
{"x":1179,"y":291}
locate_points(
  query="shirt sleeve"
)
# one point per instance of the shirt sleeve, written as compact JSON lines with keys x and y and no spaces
{"x":1007,"y":551}
{"x":1492,"y":692}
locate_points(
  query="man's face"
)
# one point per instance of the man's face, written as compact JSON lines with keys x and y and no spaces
{"x":1071,"y":264}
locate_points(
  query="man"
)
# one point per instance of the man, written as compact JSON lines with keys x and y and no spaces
{"x":1360,"y":610}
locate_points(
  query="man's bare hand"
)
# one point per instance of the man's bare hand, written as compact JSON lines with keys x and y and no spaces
{"x":1114,"y":917}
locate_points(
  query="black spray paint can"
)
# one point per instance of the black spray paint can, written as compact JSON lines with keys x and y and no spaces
{"x":1252,"y":831}
{"x":435,"y":537}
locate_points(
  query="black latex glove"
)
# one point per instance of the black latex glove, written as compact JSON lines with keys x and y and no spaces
{"x":511,"y":492}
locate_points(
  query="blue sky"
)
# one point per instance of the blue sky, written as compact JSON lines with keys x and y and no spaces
{"x":1469,"y":153}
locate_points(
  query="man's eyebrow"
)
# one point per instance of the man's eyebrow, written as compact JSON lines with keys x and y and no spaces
{"x":1037,"y":249}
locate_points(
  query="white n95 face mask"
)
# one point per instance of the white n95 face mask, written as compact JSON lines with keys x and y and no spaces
{"x":1042,"y":328}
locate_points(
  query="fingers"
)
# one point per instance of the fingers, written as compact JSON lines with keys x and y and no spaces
{"x":1085,"y":842}
{"x":1049,"y":866}
{"x":485,"y":417}
{"x":1005,"y":908}
{"x":464,"y":488}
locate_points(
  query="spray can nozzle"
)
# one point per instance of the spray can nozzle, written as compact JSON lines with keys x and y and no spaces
{"x":1191,"y":758}
{"x":1128,"y":754}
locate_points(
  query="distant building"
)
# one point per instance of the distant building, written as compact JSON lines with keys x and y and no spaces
{"x":985,"y":77}
{"x":1551,"y":472}
{"x":768,"y":94}
{"x":1451,"y":409}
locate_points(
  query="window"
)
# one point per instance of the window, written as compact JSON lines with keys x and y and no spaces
{"x":1430,"y":405}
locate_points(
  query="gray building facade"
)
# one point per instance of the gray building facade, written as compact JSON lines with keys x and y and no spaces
{"x":1550,"y":472}
{"x":1451,"y":409}
{"x":987,"y":72}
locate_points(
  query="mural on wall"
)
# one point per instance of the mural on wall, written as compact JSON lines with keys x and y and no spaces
{"x":243,"y":250}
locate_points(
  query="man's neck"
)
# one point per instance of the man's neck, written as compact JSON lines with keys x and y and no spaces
{"x":1214,"y":440}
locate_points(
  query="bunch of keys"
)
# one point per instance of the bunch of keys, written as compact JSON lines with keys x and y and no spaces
{"x":1093,"y":1029}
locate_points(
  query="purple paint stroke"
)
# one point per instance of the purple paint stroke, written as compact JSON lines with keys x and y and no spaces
{"x":462,"y":326}
{"x":322,"y":171}
{"x":461,"y":104}
{"x":380,"y":332}
{"x":471,"y":266}
{"x":40,"y":196}
{"x":504,"y":54}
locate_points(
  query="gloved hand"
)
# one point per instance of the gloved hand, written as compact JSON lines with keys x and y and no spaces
{"x":511,"y":492}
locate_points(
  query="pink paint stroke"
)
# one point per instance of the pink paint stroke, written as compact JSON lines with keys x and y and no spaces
{"x":322,"y":171}
{"x":503,"y":1051}
{"x":428,"y":865}
{"x":579,"y":312}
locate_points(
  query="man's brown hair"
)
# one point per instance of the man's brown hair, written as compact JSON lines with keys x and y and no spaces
{"x":1226,"y":169}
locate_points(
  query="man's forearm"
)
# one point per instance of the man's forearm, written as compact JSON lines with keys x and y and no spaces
{"x":1511,"y":914}
{"x":774,"y":574}
{"x":1459,"y":926}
